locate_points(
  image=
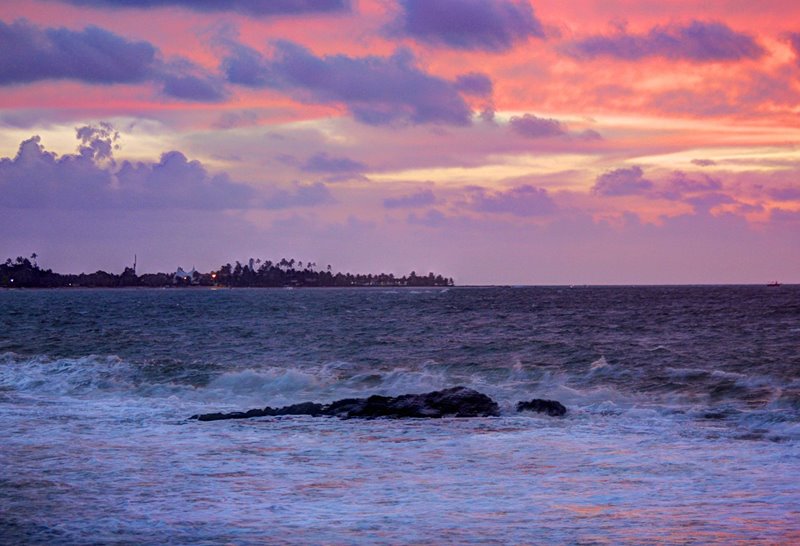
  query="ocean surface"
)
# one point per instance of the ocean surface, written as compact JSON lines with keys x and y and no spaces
{"x":683,"y":424}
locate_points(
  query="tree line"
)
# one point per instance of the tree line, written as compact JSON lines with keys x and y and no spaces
{"x":26,"y":273}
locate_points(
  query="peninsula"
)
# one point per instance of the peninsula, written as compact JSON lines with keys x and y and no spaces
{"x":26,"y":273}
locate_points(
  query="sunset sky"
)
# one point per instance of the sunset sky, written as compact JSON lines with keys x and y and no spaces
{"x":496,"y":142}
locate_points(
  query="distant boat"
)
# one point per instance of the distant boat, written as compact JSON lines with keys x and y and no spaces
{"x":773,"y":283}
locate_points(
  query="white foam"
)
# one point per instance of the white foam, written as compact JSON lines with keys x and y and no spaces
{"x":96,"y":376}
{"x":264,"y":383}
{"x":67,"y":376}
{"x":599,"y":364}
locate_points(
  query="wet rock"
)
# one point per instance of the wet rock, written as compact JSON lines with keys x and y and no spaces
{"x":454,"y":402}
{"x":550,"y":407}
{"x":306,"y":408}
{"x":232,"y":415}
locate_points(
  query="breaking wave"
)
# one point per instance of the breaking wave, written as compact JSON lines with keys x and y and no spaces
{"x":759,"y":405}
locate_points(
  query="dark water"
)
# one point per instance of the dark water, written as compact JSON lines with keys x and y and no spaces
{"x":673,"y":391}
{"x":736,"y":347}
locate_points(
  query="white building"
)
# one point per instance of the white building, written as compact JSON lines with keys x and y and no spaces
{"x":186,"y":277}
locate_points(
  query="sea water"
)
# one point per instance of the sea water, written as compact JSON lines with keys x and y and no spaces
{"x":683,"y":424}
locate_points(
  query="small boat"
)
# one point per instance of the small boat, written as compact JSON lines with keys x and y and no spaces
{"x":773,"y":283}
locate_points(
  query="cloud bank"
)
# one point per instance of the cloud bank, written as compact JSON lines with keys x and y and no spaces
{"x":256,"y":8}
{"x":475,"y":83}
{"x":697,"y":41}
{"x":624,"y":181}
{"x":29,"y":53}
{"x":476,"y":25}
{"x":91,"y":179}
{"x":531,"y":126}
{"x":375,"y":90}
{"x":324,"y":163}
{"x":525,"y":200}
{"x":414,"y":200}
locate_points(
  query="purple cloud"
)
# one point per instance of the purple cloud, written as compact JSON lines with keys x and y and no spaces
{"x":302,"y":195}
{"x":29,"y":53}
{"x":525,"y":200}
{"x":704,"y":162}
{"x":589,"y":134}
{"x":622,"y":181}
{"x":785,"y":194}
{"x":531,"y":126}
{"x":91,"y":180}
{"x":420,"y":199}
{"x":494,"y":26}
{"x":681,"y":184}
{"x":703,"y":203}
{"x":246,"y":66}
{"x":474,"y":83}
{"x":701,"y":192}
{"x":376,"y":90}
{"x":698,"y":41}
{"x":36,"y":178}
{"x":258,"y":8}
{"x":324,"y":163}
{"x":176,"y":182}
{"x":794,"y":41}
{"x":194,"y":88}
{"x":97,"y":142}
{"x":184,"y":80}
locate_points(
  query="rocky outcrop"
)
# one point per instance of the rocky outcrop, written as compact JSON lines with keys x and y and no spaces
{"x":454,"y":402}
{"x":550,"y":407}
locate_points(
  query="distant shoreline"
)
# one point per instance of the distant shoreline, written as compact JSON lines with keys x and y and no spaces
{"x":221,"y":288}
{"x":253,"y":273}
{"x":398,"y":287}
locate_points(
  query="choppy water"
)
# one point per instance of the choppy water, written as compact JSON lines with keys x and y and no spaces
{"x":684,"y":421}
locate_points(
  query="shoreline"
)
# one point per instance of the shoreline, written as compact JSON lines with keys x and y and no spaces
{"x":216,"y":288}
{"x":401,"y":287}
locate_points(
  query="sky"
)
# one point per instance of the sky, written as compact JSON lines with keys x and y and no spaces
{"x":497,"y":142}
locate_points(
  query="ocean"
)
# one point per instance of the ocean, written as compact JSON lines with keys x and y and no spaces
{"x":683,"y":423}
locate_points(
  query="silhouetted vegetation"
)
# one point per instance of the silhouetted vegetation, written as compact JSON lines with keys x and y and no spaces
{"x":26,"y":273}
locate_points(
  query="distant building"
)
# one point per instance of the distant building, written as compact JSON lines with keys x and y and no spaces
{"x":186,"y":277}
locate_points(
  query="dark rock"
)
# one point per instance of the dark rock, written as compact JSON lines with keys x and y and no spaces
{"x":456,"y":402}
{"x":305,"y":408}
{"x":344,"y":407}
{"x":550,"y":407}
{"x":219,"y":416}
